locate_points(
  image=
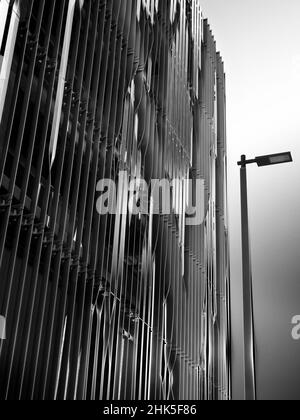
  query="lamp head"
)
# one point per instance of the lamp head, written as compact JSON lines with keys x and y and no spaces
{"x":276,"y":159}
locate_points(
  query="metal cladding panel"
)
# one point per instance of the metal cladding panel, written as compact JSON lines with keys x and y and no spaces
{"x":124,"y":305}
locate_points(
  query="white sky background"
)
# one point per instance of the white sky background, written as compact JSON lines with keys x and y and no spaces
{"x":260,"y":44}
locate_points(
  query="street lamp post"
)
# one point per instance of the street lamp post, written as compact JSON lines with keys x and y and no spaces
{"x":249,"y":336}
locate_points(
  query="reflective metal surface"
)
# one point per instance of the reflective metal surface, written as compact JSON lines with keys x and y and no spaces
{"x":117,"y":306}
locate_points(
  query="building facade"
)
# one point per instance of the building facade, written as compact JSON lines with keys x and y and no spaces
{"x":117,"y":305}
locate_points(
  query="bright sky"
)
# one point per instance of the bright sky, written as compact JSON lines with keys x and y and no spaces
{"x":260,"y":43}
